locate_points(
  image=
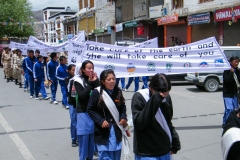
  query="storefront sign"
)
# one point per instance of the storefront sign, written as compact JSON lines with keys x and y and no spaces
{"x":118,"y":27}
{"x":130,"y":24}
{"x":167,"y":19}
{"x":109,"y":30}
{"x":199,"y":18}
{"x":227,"y":14}
{"x":155,"y":12}
{"x":101,"y":30}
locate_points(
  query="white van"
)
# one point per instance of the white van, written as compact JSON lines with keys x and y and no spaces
{"x":210,"y":81}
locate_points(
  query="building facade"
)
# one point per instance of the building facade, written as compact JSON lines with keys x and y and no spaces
{"x":54,"y":28}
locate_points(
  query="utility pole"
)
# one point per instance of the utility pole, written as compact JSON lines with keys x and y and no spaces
{"x":87,"y":19}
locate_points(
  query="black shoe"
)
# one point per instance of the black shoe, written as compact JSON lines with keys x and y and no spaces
{"x":8,"y":80}
{"x":74,"y":144}
{"x":11,"y":78}
{"x":20,"y":85}
{"x":16,"y":81}
{"x":5,"y":77}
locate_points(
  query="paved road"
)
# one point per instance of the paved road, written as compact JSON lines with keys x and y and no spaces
{"x":36,"y":129}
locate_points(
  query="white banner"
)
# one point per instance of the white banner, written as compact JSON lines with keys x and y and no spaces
{"x":76,"y":49}
{"x":33,"y":41}
{"x":152,"y":43}
{"x":25,"y":47}
{"x":201,"y":56}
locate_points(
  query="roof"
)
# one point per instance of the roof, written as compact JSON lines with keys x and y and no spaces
{"x":230,"y":47}
{"x":62,"y":13}
{"x":53,"y":8}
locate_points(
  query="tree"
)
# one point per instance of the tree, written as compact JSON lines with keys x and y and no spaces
{"x":15,"y":11}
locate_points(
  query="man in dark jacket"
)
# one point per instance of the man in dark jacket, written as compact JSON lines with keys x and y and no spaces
{"x":231,"y":79}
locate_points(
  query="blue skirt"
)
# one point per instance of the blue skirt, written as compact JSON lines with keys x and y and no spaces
{"x":85,"y":124}
{"x":164,"y":157}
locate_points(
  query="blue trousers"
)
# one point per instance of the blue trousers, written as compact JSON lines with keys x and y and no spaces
{"x":122,"y":82}
{"x":145,"y":82}
{"x":39,"y":86}
{"x":230,"y":105}
{"x":109,"y":155}
{"x":54,"y":86}
{"x":73,"y":124}
{"x":64,"y":94}
{"x":164,"y":157}
{"x":136,"y":81}
{"x":31,"y":83}
{"x":86,"y":146}
{"x":25,"y":80}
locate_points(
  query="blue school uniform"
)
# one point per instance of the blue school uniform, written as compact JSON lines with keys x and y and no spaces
{"x":29,"y":64}
{"x":51,"y":75}
{"x":38,"y":73}
{"x":61,"y":74}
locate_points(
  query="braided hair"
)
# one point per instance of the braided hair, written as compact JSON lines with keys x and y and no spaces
{"x":103,"y":76}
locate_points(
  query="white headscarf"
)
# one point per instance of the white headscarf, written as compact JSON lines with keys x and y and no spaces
{"x":76,"y":74}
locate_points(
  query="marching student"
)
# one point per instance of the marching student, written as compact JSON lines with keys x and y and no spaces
{"x":25,"y":73}
{"x":136,"y":82}
{"x":61,"y":75}
{"x":30,"y":61}
{"x":107,"y":109}
{"x":72,"y":102}
{"x":231,"y":79}
{"x":85,"y":126}
{"x":39,"y":78}
{"x":19,"y":70}
{"x":154,"y":135}
{"x":51,"y":75}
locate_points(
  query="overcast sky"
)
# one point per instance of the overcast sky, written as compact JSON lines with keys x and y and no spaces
{"x":41,"y":4}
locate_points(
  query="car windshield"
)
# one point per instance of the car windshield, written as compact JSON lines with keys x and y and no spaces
{"x":230,"y":53}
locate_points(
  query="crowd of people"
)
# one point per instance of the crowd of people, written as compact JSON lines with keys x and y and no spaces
{"x":97,"y":106}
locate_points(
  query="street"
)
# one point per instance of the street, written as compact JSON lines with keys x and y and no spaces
{"x":36,"y":129}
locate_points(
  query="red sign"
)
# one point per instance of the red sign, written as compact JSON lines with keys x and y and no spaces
{"x":140,"y":30}
{"x":227,"y":14}
{"x":167,"y":19}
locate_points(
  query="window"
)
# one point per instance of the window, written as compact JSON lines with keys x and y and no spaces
{"x":91,"y":3}
{"x":80,"y":5}
{"x":177,"y":4}
{"x":85,"y":3}
{"x":203,"y":1}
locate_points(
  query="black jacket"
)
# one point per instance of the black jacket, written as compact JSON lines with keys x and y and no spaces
{"x":101,"y":113}
{"x":84,"y":93}
{"x":232,"y":121}
{"x":229,"y":84}
{"x":149,"y":137}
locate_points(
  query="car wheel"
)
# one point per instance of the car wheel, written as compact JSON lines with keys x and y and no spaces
{"x":199,"y":87}
{"x":211,"y":85}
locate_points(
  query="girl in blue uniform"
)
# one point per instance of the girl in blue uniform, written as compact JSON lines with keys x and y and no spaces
{"x":107,"y":135}
{"x":85,"y":126}
{"x":72,"y":104}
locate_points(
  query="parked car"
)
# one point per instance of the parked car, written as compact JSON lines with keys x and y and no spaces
{"x":210,"y":81}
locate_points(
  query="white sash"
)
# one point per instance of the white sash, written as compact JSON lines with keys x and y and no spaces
{"x":79,"y":80}
{"x":113,"y":110}
{"x":228,"y":139}
{"x":159,"y":116}
{"x":236,"y":80}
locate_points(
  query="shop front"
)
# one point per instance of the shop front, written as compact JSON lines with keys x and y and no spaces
{"x":175,"y":28}
{"x":203,"y":26}
{"x":228,"y":21}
